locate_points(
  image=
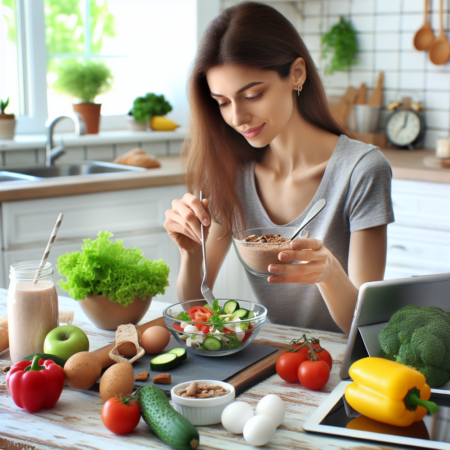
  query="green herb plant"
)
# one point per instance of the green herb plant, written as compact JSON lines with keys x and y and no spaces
{"x":107,"y":268}
{"x":340,"y":45}
{"x":144,"y":108}
{"x":3,"y":105}
{"x":83,"y":80}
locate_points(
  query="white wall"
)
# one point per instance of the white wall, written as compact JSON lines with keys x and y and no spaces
{"x":385,"y":35}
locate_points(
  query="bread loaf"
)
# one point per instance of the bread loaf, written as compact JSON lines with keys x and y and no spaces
{"x":137,"y":157}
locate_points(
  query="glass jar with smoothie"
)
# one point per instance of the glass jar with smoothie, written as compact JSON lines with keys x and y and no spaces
{"x":32,"y":308}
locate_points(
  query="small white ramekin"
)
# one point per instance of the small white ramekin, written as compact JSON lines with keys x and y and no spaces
{"x":202,"y":411}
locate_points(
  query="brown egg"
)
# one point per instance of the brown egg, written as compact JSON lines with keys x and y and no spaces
{"x":155,"y":339}
{"x":129,"y":349}
{"x":82,"y":370}
{"x":118,"y":379}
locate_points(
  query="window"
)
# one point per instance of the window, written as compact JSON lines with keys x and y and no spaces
{"x":9,"y":79}
{"x":148,"y":44}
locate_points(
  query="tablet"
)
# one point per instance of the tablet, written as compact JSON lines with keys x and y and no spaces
{"x":376,"y":303}
{"x":335,"y":417}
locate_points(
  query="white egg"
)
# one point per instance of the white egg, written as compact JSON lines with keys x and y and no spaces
{"x":271,"y":405}
{"x":259,"y":430}
{"x":235,"y":416}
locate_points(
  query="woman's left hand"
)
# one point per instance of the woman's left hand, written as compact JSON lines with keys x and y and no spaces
{"x":315,"y":269}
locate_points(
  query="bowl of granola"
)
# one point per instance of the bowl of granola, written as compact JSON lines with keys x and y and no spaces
{"x":258,"y":248}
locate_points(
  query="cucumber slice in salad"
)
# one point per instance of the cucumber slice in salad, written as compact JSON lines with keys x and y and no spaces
{"x":230,"y":306}
{"x":180,"y":352}
{"x":212,"y":344}
{"x":241,"y":313}
{"x":251,"y":314}
{"x":164,"y":362}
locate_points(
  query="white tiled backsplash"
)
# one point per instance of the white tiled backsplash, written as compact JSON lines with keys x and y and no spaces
{"x":385,"y":37}
{"x":106,"y":150}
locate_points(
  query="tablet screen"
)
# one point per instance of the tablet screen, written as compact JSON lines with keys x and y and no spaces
{"x":434,"y":427}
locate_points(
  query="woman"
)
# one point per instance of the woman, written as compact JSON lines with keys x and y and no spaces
{"x":264,"y":148}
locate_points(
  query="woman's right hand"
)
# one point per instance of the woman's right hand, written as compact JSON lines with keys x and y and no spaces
{"x":183,"y":221}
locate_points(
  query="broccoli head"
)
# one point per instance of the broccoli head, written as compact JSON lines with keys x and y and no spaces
{"x":419,"y":337}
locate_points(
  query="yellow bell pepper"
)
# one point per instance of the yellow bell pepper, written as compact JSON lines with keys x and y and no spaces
{"x":388,"y":392}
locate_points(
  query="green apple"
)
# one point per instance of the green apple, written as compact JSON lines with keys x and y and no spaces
{"x":65,"y":341}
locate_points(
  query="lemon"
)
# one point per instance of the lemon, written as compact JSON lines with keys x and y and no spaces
{"x":160,"y":123}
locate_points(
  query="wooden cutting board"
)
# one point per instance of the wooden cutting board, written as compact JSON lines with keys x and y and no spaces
{"x":241,"y":381}
{"x":260,"y":371}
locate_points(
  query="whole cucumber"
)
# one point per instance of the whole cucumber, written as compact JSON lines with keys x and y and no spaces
{"x":172,"y":428}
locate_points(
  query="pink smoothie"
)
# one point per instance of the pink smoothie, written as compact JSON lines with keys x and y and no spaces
{"x":32,"y":313}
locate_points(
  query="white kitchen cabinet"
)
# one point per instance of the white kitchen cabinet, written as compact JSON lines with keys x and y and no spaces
{"x":136,"y":216}
{"x":419,"y":240}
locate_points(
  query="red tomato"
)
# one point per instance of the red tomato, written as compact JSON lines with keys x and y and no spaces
{"x":314,"y":375}
{"x":205,"y":329}
{"x":288,"y":365}
{"x":227,"y":331}
{"x":324,"y":355}
{"x":247,"y":333}
{"x":177,"y":327}
{"x":199,"y":314}
{"x":120,"y":415}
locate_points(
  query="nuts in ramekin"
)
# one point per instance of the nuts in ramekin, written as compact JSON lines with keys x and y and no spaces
{"x":203,"y":391}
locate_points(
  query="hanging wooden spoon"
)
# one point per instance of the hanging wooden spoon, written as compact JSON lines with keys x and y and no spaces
{"x":440,"y":49}
{"x":424,"y":36}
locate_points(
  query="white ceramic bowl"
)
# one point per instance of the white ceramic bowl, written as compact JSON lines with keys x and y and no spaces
{"x":202,"y":411}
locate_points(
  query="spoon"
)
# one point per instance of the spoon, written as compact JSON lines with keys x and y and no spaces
{"x":312,"y":213}
{"x":440,"y":49}
{"x":424,"y":37}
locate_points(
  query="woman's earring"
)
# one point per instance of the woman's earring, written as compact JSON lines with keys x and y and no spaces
{"x":299,"y":89}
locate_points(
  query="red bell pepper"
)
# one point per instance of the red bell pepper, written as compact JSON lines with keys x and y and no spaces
{"x":35,"y":385}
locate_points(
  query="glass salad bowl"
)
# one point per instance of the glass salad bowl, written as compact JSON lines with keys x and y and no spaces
{"x":256,"y":257}
{"x":228,"y":329}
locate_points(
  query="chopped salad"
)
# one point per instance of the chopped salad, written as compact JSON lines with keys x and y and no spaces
{"x":229,"y":327}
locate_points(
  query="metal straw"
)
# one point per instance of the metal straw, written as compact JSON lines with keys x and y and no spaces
{"x":49,"y":246}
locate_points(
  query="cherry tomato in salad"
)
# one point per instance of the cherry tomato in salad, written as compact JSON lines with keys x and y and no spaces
{"x":288,"y":366}
{"x":247,"y":333}
{"x":313,"y":375}
{"x":205,"y":329}
{"x":177,"y":327}
{"x":121,"y":415}
{"x":200,"y":314}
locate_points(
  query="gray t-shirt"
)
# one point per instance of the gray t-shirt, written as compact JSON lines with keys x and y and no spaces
{"x":357,"y":187}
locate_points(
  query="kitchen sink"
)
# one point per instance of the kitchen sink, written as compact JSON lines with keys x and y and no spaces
{"x":70,"y":169}
{"x":8,"y":176}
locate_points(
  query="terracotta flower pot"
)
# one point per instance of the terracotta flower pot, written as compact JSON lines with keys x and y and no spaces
{"x":7,"y":126}
{"x":91,"y":115}
{"x":108,"y":315}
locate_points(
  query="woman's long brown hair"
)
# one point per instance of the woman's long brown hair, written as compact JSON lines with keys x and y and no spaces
{"x":253,"y":35}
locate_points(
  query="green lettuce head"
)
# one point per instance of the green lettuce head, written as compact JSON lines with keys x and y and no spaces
{"x":108,"y":268}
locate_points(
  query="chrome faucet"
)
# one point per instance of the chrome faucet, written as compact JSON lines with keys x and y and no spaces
{"x":52,"y":153}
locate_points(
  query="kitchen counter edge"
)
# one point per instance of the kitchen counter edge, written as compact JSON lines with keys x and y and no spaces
{"x":405,"y":166}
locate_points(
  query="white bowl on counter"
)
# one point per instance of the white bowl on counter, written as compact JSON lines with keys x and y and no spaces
{"x":202,"y":411}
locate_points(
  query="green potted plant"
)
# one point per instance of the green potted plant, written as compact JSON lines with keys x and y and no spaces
{"x":84,"y":80}
{"x":341,"y":45}
{"x":114,"y":284}
{"x":7,"y":121}
{"x":145,"y":108}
